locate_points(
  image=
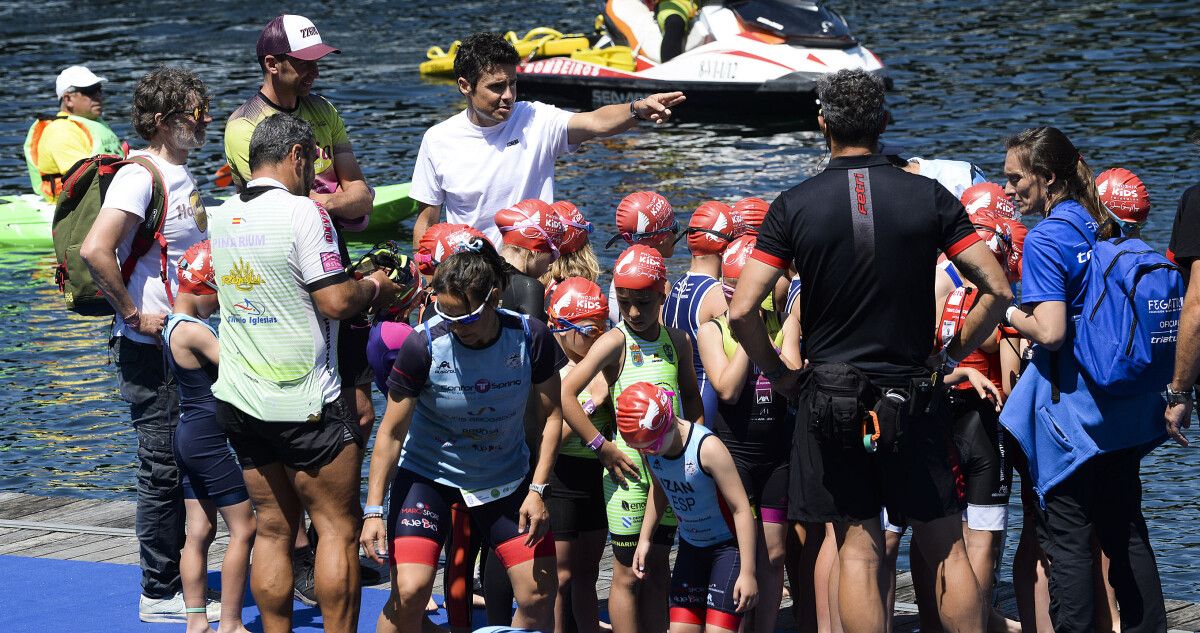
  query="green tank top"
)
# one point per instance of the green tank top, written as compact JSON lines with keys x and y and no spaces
{"x":602,"y":418}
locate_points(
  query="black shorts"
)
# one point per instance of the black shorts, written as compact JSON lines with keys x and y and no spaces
{"x":985,"y":463}
{"x":576,"y":502}
{"x":833,"y":482}
{"x":702,"y":585}
{"x":210,"y":473}
{"x":353,"y":368}
{"x":623,"y":546}
{"x":766,"y":484}
{"x":298,"y":445}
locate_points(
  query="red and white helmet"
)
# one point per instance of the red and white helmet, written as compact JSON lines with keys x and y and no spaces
{"x":445,"y":239}
{"x":196,"y":273}
{"x":988,"y":199}
{"x":1124,"y":194}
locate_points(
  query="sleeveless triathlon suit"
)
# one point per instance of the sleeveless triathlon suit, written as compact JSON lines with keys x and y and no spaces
{"x":201,"y":449}
{"x":977,"y":433}
{"x":655,"y":362}
{"x":577,"y":504}
{"x":758,"y":432}
{"x":707,"y":563}
{"x":681,"y":310}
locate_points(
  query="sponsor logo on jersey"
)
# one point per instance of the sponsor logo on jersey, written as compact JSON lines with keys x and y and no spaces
{"x":251,"y":240}
{"x":249,"y":312}
{"x":326,"y":225}
{"x":242,"y":277}
{"x":514,"y":361}
{"x":331,"y":262}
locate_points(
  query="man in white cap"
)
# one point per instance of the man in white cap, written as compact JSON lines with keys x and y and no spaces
{"x":288,"y":50}
{"x":55,"y":143}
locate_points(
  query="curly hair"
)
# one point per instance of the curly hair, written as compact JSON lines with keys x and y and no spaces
{"x":1047,"y":152}
{"x":162,"y":91}
{"x":482,"y":52}
{"x":852,"y":103}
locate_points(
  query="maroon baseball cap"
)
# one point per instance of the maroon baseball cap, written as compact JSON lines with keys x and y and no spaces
{"x":294,"y":36}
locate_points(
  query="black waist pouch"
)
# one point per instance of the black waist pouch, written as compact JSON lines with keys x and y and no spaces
{"x":839,"y":398}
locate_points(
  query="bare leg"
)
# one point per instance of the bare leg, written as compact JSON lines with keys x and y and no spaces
{"x":331,"y":495}
{"x":891,"y":552}
{"x":654,"y":592}
{"x":412,"y":585}
{"x":534,"y":586}
{"x":983,"y":549}
{"x":564,"y":551}
{"x":1108,"y":618}
{"x":805,"y":586}
{"x":771,"y":545}
{"x":240,"y":519}
{"x":623,"y":599}
{"x":278,"y":510}
{"x":957,"y":593}
{"x":585,"y":569}
{"x":1030,"y":573}
{"x":924,"y":584}
{"x":860,"y":594}
{"x":200,"y":516}
{"x":828,"y":581}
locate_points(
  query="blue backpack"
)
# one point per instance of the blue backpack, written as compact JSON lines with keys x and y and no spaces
{"x":1132,"y":299}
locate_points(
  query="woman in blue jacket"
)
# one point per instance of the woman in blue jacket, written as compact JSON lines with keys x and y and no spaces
{"x":1083,"y":448}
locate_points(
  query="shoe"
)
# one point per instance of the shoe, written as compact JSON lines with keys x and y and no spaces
{"x":303,"y":580}
{"x":173,"y":609}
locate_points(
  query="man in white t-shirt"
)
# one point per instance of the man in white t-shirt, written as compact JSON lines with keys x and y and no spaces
{"x":500,"y":151}
{"x":170,"y":111}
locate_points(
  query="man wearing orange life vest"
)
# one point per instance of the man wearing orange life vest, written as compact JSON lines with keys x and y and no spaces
{"x":54,"y":144}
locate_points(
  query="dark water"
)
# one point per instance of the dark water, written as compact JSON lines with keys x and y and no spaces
{"x":1119,"y":77}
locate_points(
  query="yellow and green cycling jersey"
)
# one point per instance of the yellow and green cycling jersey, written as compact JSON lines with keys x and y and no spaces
{"x":327,"y":125}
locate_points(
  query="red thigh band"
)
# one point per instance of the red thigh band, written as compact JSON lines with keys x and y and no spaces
{"x":687,"y":615}
{"x":514,"y":551}
{"x":720,"y":619}
{"x":414,"y":549}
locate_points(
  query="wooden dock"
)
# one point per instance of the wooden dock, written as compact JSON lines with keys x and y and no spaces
{"x":102,"y":531}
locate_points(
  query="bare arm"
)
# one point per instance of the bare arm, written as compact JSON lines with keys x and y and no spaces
{"x":712,"y":306}
{"x":533,"y":515}
{"x":385,"y":458}
{"x":756,"y":281}
{"x":656,"y":503}
{"x":614,"y":119}
{"x":979,"y":266}
{"x":606,"y":351}
{"x":1187,"y":358}
{"x":726,"y":375}
{"x":351,"y":297}
{"x":427,"y":216}
{"x":353,"y":199}
{"x":716,"y":461}
{"x":1044,"y":323}
{"x":99,"y":252}
{"x":790,"y":353}
{"x":1010,"y":363}
{"x":689,"y":386}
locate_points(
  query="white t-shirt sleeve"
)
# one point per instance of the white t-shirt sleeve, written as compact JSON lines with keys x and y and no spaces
{"x":551,"y":123}
{"x":426,"y":181}
{"x":315,"y":253}
{"x":130,"y":191}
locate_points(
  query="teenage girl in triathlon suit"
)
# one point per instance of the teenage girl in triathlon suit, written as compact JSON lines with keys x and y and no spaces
{"x":639,"y":349}
{"x":576,"y":258}
{"x":696,"y":297}
{"x":752,"y":421}
{"x":578,"y":316}
{"x":713,"y":582}
{"x":453,"y":433}
{"x":212,"y":479}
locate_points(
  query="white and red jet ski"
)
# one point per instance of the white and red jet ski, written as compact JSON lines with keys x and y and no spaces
{"x":751,"y":60}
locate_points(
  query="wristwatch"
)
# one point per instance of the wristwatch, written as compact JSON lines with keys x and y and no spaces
{"x":543,"y":490}
{"x":1178,"y":397}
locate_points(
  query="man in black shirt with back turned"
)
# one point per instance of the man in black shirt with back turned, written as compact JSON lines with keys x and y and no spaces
{"x":864,"y":236}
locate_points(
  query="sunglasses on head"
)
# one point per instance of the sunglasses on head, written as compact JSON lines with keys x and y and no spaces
{"x":634,"y":238}
{"x":197,"y":113}
{"x":464,"y":319}
{"x":590,"y":331}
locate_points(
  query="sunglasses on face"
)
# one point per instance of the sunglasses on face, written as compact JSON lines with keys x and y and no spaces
{"x":90,"y":92}
{"x":590,"y":331}
{"x":464,"y":319}
{"x":634,"y":238}
{"x":198,"y":113}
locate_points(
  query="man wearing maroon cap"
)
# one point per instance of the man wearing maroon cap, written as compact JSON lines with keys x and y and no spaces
{"x":288,"y":50}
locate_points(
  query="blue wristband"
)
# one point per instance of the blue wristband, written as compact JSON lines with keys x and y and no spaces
{"x":373,"y":510}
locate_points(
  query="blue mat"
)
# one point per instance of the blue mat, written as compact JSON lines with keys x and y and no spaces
{"x":41,"y":594}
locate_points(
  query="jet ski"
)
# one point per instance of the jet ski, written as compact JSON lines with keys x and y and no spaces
{"x":744,"y":61}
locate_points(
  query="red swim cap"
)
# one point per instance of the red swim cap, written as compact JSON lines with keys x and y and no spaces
{"x":753,"y":211}
{"x":712,"y":227}
{"x":640,"y":267}
{"x":531,"y":224}
{"x":575,"y":299}
{"x":989,"y":199}
{"x":196,"y":273}
{"x":1124,"y":194}
{"x":734,"y":259}
{"x":644,"y":217}
{"x":576,"y":227}
{"x":644,"y":414}
{"x":1006,"y":239}
{"x":443,"y":240}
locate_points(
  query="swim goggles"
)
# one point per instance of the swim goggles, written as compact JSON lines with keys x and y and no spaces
{"x":525,"y":225}
{"x":656,"y":446}
{"x":473,"y":244}
{"x":695,"y":229}
{"x":1127,"y":227}
{"x":464,"y":319}
{"x":633,"y":238}
{"x":590,"y":331}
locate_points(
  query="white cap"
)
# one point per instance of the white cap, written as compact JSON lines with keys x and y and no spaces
{"x":75,"y":77}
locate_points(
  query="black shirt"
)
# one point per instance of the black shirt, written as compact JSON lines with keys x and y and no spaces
{"x":525,"y":295}
{"x":864,"y":236}
{"x":1185,"y":234}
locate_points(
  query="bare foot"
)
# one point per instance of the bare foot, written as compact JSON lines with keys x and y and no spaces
{"x":232,"y":628}
{"x":604,"y":626}
{"x":431,"y":606}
